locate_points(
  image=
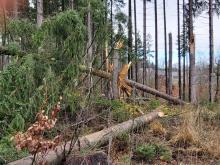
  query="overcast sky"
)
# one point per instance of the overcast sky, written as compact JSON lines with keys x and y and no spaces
{"x":200,"y":28}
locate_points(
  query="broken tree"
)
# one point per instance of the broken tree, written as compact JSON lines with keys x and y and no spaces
{"x":131,"y":83}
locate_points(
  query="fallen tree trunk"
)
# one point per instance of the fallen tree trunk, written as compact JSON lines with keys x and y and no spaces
{"x":93,"y":139}
{"x":154,"y":92}
{"x":131,"y":83}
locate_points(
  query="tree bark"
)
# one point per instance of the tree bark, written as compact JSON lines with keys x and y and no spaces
{"x":144,"y":42}
{"x":156,"y":46}
{"x":89,"y":34}
{"x":15,"y":8}
{"x":217,"y":94}
{"x":39,"y":12}
{"x":179,"y":55}
{"x":101,"y":137}
{"x":135,"y":37}
{"x":192,"y":67}
{"x":63,"y":5}
{"x":115,"y":74}
{"x":72,"y":5}
{"x":170,"y":70}
{"x":165,"y":44}
{"x":184,"y":52}
{"x":211,"y":53}
{"x":130,"y":73}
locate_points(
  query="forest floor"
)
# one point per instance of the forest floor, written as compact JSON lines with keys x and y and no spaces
{"x":186,"y":135}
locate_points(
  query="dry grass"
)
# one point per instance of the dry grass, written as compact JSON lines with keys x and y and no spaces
{"x":196,"y":131}
{"x":157,"y":128}
{"x":187,"y":133}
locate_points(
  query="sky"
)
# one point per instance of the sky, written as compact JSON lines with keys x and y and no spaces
{"x":201,"y":29}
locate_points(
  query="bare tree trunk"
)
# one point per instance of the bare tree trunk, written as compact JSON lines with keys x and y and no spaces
{"x":165,"y":44}
{"x":39,"y":12}
{"x":89,"y":44}
{"x":170,"y":70}
{"x":63,"y":5}
{"x":115,"y":75}
{"x":217,"y":95}
{"x":192,"y":67}
{"x":144,"y":42}
{"x":72,"y":5}
{"x":4,"y":33}
{"x":211,"y":53}
{"x":156,"y":46}
{"x":15,"y":8}
{"x":135,"y":37}
{"x":89,"y":33}
{"x":179,"y":55}
{"x":130,"y":73}
{"x":111,"y":19}
{"x":184,"y":52}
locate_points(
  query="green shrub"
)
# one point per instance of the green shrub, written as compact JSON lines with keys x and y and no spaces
{"x":8,"y":151}
{"x":153,"y":104}
{"x":152,"y":151}
{"x":114,"y":104}
{"x":121,"y":115}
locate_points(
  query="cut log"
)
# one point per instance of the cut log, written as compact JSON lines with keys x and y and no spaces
{"x":93,"y":139}
{"x":131,"y":83}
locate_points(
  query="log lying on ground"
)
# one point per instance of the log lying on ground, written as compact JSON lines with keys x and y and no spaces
{"x":131,"y":83}
{"x":154,"y":92}
{"x":93,"y":139}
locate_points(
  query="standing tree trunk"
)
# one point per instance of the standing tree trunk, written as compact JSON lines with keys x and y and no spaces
{"x":156,"y":46}
{"x":165,"y":43}
{"x":115,"y":74}
{"x":192,"y":67}
{"x":39,"y":12}
{"x":179,"y":55}
{"x":218,"y":83}
{"x":211,"y":53}
{"x":170,"y":70}
{"x":111,"y":19}
{"x":72,"y":5}
{"x":184,"y":52}
{"x":130,"y":74}
{"x":144,"y":41}
{"x":89,"y":33}
{"x":15,"y":8}
{"x":4,"y":33}
{"x":135,"y":37}
{"x":89,"y":45}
